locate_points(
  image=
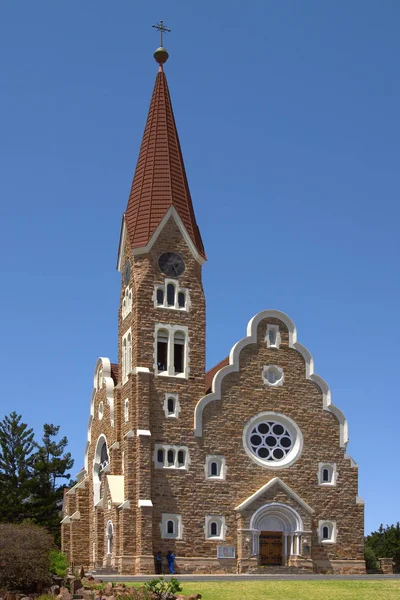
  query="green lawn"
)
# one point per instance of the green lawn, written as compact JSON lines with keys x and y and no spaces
{"x":295,"y":590}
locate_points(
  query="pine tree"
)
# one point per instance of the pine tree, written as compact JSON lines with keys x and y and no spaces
{"x":50,"y":464}
{"x":16,"y":446}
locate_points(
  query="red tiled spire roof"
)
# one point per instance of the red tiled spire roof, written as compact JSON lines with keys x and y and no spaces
{"x":160,"y":178}
{"x":212,"y":372}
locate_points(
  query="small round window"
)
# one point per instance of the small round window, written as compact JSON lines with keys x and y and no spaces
{"x":272,"y":440}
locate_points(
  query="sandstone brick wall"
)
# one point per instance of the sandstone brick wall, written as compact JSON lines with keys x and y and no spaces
{"x":188,"y":493}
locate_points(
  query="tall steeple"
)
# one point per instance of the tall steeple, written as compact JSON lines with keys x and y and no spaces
{"x":160,"y":180}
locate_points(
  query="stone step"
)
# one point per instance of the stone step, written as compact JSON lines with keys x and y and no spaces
{"x":276,"y":570}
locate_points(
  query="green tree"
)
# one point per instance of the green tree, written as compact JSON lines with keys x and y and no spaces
{"x":385,"y":543}
{"x":51,"y":464}
{"x":16,"y":447}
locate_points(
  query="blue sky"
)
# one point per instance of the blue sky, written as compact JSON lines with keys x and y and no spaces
{"x":288,"y":114}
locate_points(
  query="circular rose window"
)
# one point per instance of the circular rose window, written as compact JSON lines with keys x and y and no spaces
{"x":272,"y":440}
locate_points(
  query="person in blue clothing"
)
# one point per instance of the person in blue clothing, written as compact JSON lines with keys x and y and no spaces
{"x":171,"y":562}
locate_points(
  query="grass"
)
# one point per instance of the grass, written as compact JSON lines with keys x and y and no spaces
{"x":294,"y":590}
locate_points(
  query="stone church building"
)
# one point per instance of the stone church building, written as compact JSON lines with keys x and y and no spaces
{"x":239,"y":469}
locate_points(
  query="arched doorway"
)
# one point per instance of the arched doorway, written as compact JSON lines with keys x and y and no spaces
{"x":277,"y":528}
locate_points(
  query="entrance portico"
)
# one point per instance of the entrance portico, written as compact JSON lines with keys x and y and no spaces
{"x":274,"y":528}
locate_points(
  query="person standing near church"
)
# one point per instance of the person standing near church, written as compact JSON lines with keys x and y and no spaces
{"x":171,"y":562}
{"x":159,"y":563}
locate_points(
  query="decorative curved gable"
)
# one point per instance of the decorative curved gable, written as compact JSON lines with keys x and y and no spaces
{"x":109,"y":385}
{"x":234,"y":366}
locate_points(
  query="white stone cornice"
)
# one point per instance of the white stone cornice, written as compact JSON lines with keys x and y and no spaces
{"x":145,"y":503}
{"x":275,"y":481}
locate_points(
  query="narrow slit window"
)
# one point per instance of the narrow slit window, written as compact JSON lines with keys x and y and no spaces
{"x":214,"y":529}
{"x":181,"y":300}
{"x":160,"y":297}
{"x":171,"y":294}
{"x":179,"y":347}
{"x":181,"y":458}
{"x":160,"y":456}
{"x":162,"y":350}
{"x":325,"y":533}
{"x":214,"y":469}
{"x":170,"y":527}
{"x":170,"y":458}
{"x":326,"y":476}
{"x":171,"y":405}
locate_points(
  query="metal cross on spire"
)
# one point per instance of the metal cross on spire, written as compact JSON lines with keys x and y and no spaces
{"x":162,"y":29}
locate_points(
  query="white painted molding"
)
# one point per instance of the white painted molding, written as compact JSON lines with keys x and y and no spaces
{"x":66,"y":521}
{"x":100,"y":504}
{"x":125,"y":505}
{"x":109,"y":383}
{"x":143,"y":503}
{"x":130,"y":434}
{"x":267,"y":486}
{"x":122,"y":239}
{"x":143,"y":432}
{"x":359,"y":500}
{"x":171,"y":212}
{"x":353,"y":463}
{"x":114,"y":446}
{"x":76,"y":516}
{"x":81,"y":475}
{"x":137,"y":370}
{"x":234,"y":364}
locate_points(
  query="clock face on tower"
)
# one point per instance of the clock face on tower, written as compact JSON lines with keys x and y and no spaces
{"x":171,"y":264}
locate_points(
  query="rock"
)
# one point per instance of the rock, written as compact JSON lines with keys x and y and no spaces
{"x":108,"y":590}
{"x":64,"y":594}
{"x":55,"y":590}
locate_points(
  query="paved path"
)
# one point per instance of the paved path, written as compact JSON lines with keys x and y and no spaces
{"x":141,"y":578}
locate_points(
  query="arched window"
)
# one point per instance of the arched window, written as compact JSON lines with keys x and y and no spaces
{"x":171,"y":458}
{"x":160,"y":456}
{"x":325,"y":533}
{"x":213,"y":528}
{"x":215,"y":467}
{"x":110,"y":537}
{"x":170,"y":527}
{"x":162,"y":350}
{"x":126,"y":411}
{"x":104,"y":455}
{"x":129,"y":354}
{"x":179,"y":352}
{"x":181,"y":458}
{"x":171,"y":294}
{"x":130,"y":301}
{"x":327,"y":474}
{"x":171,"y":405}
{"x":101,"y":464}
{"x":160,"y":297}
{"x":181,"y":300}
{"x":124,"y":358}
{"x":101,"y":410}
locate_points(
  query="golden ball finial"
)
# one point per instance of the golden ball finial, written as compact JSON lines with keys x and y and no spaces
{"x":161,"y":55}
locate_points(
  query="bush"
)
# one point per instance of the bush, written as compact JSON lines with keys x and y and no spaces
{"x":161,"y":589}
{"x":371,"y":562}
{"x":58,"y":563}
{"x":24,"y":557}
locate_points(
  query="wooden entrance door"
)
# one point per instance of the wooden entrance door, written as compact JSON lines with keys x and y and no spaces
{"x":271,"y":548}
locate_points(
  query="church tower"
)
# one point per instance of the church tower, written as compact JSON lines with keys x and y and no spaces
{"x":161,"y":320}
{"x":240,"y":469}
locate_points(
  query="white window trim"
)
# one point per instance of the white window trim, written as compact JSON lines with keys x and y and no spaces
{"x":126,"y":303}
{"x":277,"y":383}
{"x":126,"y":358}
{"x":172,"y":329}
{"x":178,"y":528}
{"x":100,"y":410}
{"x":175,"y":449}
{"x":126,"y":410}
{"x":333,"y":531}
{"x":221,"y":526}
{"x":333,"y":470}
{"x":278,"y":336}
{"x":177,"y":410}
{"x":220,"y":460}
{"x":163,"y":287}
